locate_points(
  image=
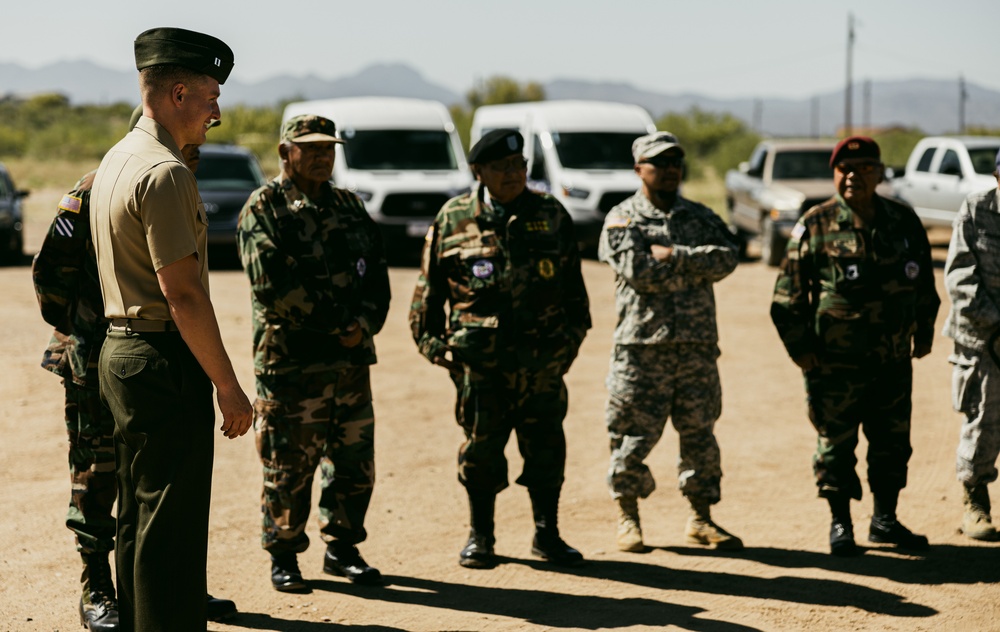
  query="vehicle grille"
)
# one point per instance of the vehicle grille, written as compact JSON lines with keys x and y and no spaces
{"x":413,"y":204}
{"x":613,"y":199}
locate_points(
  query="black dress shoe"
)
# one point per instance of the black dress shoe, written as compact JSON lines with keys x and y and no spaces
{"x":99,"y":616}
{"x":842,"y":540}
{"x":552,"y":548}
{"x":285,"y":573}
{"x":344,"y":560}
{"x":219,"y":609}
{"x":890,"y":531}
{"x":478,"y":552}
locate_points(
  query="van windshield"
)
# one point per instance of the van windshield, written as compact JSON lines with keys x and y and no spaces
{"x":595,"y":150}
{"x":399,"y":150}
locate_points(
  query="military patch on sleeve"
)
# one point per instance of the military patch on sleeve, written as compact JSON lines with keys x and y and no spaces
{"x":70,"y":203}
{"x":64,"y":227}
{"x":617,"y":222}
{"x":798,"y":231}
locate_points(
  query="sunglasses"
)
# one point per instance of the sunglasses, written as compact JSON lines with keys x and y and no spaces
{"x":663,"y":162}
{"x":863,"y":168}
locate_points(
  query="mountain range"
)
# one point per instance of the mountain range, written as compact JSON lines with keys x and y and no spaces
{"x":930,"y":105}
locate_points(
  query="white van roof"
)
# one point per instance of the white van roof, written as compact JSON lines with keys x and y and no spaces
{"x":567,"y":116}
{"x":376,"y":113}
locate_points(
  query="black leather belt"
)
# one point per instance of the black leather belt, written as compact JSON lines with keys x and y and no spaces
{"x":141,"y":326}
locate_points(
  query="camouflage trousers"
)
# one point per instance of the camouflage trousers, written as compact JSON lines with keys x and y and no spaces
{"x":308,"y":420}
{"x":976,"y":394}
{"x":874,"y":396}
{"x":491,"y":405}
{"x":647,"y":384}
{"x":91,"y":429}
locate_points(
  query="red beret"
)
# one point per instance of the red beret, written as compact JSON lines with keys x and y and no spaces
{"x":855,"y":147}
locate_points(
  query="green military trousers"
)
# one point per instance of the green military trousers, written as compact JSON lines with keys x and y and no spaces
{"x":164,"y":417}
{"x":873,"y":396}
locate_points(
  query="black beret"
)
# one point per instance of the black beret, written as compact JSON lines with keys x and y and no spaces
{"x":855,"y":147}
{"x":188,"y":49}
{"x":496,"y":144}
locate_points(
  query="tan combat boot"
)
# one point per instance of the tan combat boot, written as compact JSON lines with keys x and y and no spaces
{"x":701,"y":530}
{"x":629,"y":532}
{"x":976,"y":523}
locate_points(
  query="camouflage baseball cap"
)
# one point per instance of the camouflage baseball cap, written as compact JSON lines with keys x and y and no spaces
{"x":653,"y":145}
{"x":309,"y":128}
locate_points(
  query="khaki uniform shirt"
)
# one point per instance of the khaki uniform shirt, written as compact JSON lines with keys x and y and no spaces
{"x":146,"y":214}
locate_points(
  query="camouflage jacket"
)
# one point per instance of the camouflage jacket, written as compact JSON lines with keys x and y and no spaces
{"x":672,"y":301}
{"x":64,"y":273}
{"x":511,"y":280}
{"x":315,"y":266}
{"x":972,"y":272}
{"x":854,"y":293}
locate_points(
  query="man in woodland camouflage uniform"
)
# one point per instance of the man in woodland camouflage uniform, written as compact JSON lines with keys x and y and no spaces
{"x":505,"y":261}
{"x":667,"y":252}
{"x":320,"y":290}
{"x":853,"y":303}
{"x":69,"y":295}
{"x":972,"y":276}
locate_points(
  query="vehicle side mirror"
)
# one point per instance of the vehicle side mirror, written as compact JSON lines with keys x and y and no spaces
{"x":744,"y":167}
{"x":890,"y":173}
{"x":22,"y":193}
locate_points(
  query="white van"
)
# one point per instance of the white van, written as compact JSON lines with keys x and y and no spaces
{"x":403,"y":157}
{"x":579,"y":151}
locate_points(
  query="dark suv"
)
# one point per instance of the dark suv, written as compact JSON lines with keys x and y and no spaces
{"x":11,"y":219}
{"x":227,"y":175}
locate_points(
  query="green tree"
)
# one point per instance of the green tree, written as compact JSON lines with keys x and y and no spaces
{"x":709,"y":138}
{"x":493,"y":91}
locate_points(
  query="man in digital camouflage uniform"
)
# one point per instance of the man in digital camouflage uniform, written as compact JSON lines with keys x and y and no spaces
{"x":69,"y":294}
{"x":853,"y":303}
{"x":667,"y":252}
{"x":320,"y":289}
{"x":505,"y":261}
{"x":972,"y":276}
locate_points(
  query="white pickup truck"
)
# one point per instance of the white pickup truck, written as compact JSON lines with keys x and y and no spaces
{"x":942,"y":171}
{"x":768,"y":193}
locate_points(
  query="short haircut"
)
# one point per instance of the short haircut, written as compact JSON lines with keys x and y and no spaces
{"x":161,"y":79}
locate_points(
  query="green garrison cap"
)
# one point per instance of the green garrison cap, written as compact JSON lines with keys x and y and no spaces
{"x":188,"y":49}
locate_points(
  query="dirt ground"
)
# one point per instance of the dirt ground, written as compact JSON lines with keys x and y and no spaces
{"x":784,"y":580}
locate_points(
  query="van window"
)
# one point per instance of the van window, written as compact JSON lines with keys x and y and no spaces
{"x":984,"y":159}
{"x":925,"y":160}
{"x":399,"y":149}
{"x":595,"y":150}
{"x":223,"y":173}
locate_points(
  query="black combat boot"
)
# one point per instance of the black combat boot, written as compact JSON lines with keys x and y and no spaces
{"x":285,"y":573}
{"x":478,"y":551}
{"x":547,"y":544}
{"x":98,"y":604}
{"x":841,"y":528}
{"x":886,"y":529}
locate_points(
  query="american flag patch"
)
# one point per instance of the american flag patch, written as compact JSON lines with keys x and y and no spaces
{"x":618,"y":222}
{"x":64,"y":227}
{"x":70,"y":203}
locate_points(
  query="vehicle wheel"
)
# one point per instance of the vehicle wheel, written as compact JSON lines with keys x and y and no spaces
{"x":772,"y":244}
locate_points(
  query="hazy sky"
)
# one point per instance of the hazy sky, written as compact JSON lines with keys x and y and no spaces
{"x":752,"y":48}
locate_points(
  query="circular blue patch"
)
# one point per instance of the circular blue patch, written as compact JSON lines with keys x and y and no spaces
{"x":362,"y":267}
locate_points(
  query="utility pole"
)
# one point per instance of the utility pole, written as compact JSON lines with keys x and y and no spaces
{"x":847,"y":89}
{"x":867,"y":98}
{"x":963,"y":96}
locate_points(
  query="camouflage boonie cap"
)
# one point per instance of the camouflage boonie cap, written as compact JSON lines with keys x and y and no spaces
{"x":309,"y":128}
{"x":653,"y":145}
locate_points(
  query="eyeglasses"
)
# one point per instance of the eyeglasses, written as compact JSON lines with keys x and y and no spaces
{"x":512,"y":165}
{"x":663,"y":162}
{"x":861,"y":168}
